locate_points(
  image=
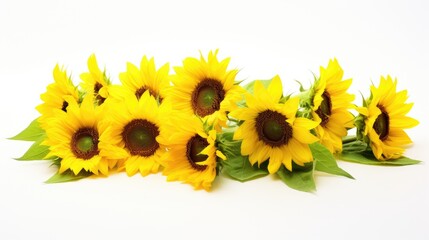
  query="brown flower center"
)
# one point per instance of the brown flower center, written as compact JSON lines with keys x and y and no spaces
{"x":207,"y":96}
{"x":100,"y":100}
{"x":65,"y":105}
{"x":272,"y":128}
{"x":325,"y":109}
{"x":139,"y":136}
{"x":381,"y":124}
{"x":139,"y":92}
{"x":84,"y":143}
{"x":193,"y":149}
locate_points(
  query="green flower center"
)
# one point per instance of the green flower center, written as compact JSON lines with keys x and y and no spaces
{"x":325,"y":109}
{"x":84,"y":143}
{"x":272,"y":128}
{"x":139,"y":136}
{"x":207,"y":96}
{"x":193,"y":149}
{"x":381,"y":124}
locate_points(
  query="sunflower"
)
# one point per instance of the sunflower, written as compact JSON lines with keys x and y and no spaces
{"x":330,"y":105}
{"x":136,"y":81}
{"x":55,"y":95}
{"x":95,"y":81}
{"x":206,"y":88}
{"x":271,"y":129}
{"x":131,"y":136}
{"x":73,"y":136}
{"x":192,"y":154}
{"x":384,"y":119}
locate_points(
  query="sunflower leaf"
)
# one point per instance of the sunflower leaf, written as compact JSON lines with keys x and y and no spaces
{"x":356,"y":146}
{"x":299,"y":179}
{"x":37,"y":151}
{"x":31,"y":133}
{"x":368,"y":158}
{"x":325,"y":161}
{"x":237,"y":166}
{"x":67,"y":176}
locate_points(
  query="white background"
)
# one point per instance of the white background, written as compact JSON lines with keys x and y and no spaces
{"x":289,"y":38}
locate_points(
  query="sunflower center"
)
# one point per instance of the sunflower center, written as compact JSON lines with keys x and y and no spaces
{"x":139,"y":136}
{"x":99,"y":98}
{"x":325,"y":109}
{"x":84,"y":143}
{"x":139,"y":92}
{"x":193,"y":149}
{"x":97,"y":87}
{"x":381,"y":124}
{"x":207,"y":96}
{"x":65,"y":105}
{"x":273,"y":129}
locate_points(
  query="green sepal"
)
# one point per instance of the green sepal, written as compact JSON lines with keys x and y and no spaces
{"x":206,"y":126}
{"x":107,"y":78}
{"x":325,"y":162}
{"x":301,"y":87}
{"x":364,"y":103}
{"x":37,"y":151}
{"x":301,"y":178}
{"x":237,"y":166}
{"x":31,"y":133}
{"x":367,"y":157}
{"x":285,"y":98}
{"x":67,"y":176}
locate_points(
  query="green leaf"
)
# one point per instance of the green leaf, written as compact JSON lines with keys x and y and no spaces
{"x":32,"y":133}
{"x":325,"y":161}
{"x":67,"y":176}
{"x":37,"y":151}
{"x":249,"y":86}
{"x":237,"y":166}
{"x":356,"y":146}
{"x":301,"y":180}
{"x":368,"y":158}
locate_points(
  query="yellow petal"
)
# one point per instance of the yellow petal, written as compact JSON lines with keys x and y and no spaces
{"x":275,"y":88}
{"x":305,"y":123}
{"x":303,"y":135}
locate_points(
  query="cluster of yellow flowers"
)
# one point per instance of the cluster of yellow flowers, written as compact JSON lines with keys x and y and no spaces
{"x":201,"y":122}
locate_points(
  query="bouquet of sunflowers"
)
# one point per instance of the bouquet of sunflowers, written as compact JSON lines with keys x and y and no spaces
{"x":201,"y":123}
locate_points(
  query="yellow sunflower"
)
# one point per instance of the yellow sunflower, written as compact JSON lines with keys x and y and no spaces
{"x":136,"y":81}
{"x":54,"y":97}
{"x":206,"y":88}
{"x":73,"y":136}
{"x":131,"y":136}
{"x":192,"y":154}
{"x":384,"y":120}
{"x":330,"y":106}
{"x":95,"y":81}
{"x":271,"y":129}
